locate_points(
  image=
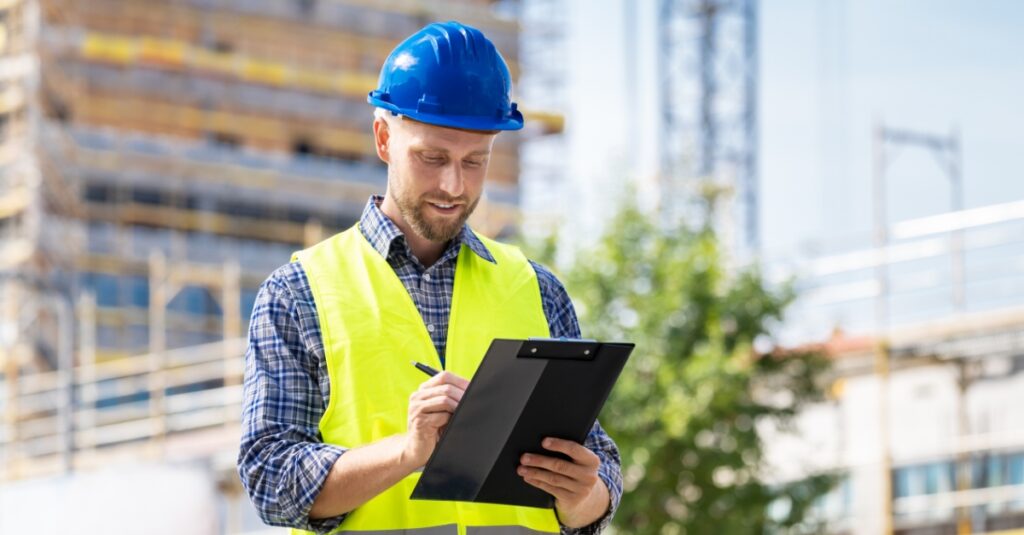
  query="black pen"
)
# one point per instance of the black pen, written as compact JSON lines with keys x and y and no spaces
{"x":425,"y":369}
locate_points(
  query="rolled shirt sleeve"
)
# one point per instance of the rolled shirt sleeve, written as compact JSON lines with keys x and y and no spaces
{"x":282,"y":460}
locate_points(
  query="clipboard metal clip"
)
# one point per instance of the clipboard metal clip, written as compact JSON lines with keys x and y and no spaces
{"x":558,"y":348}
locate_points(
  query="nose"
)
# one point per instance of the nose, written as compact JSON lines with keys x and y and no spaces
{"x":451,"y":181}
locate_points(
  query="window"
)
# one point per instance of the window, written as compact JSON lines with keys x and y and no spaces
{"x":144,"y":195}
{"x":940,"y":477}
{"x":298,"y":215}
{"x":225,"y":140}
{"x":195,"y":387}
{"x":138,"y":290}
{"x":99,"y":193}
{"x":188,"y":201}
{"x":243,"y":209}
{"x":1015,"y":469}
{"x":105,"y":287}
{"x":987,"y":470}
{"x":306,"y":147}
{"x":921,"y":479}
{"x":996,"y":472}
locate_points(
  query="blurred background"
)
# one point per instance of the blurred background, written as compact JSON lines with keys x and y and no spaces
{"x":820,"y":253}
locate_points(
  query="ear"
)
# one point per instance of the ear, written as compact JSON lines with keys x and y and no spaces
{"x":381,"y":138}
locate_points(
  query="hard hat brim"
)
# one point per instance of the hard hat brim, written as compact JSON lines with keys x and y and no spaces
{"x":462,"y":122}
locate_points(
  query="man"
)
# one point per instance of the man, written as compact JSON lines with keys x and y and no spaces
{"x":337,"y":423}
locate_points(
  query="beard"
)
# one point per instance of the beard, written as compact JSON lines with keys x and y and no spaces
{"x":440,"y":229}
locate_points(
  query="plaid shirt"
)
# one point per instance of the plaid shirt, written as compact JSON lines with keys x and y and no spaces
{"x":282,"y":460}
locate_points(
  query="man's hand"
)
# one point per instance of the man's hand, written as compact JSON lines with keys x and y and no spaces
{"x":364,"y":472}
{"x":430,"y":409}
{"x":580,"y":496}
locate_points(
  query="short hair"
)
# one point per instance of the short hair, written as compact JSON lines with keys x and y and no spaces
{"x":381,"y":113}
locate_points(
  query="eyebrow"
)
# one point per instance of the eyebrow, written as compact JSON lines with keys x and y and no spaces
{"x":425,"y":148}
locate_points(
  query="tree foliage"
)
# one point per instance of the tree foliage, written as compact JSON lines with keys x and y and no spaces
{"x":687,"y":410}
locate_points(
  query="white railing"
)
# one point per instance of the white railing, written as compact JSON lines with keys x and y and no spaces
{"x":944,"y":266}
{"x":145,"y":398}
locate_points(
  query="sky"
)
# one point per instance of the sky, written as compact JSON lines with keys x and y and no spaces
{"x":829,"y":70}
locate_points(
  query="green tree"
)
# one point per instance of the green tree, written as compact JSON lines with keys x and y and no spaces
{"x":684,"y":411}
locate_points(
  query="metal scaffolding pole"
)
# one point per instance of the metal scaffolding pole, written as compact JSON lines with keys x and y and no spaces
{"x":946,"y":149}
{"x":881,"y":237}
{"x":947,"y":152}
{"x":709,"y":110}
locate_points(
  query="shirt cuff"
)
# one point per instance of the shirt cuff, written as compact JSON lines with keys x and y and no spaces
{"x":317,"y":467}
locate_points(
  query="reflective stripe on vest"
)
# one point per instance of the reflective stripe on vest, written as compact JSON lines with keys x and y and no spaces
{"x":453,"y":530}
{"x":501,"y":530}
{"x":372,"y":329}
{"x":450,"y":529}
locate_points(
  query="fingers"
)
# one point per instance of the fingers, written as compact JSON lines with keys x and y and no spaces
{"x":448,"y":378}
{"x":558,"y":479}
{"x":435,"y":404}
{"x":558,"y":466}
{"x":543,"y":482}
{"x":579,"y":454}
{"x":432,"y":405}
{"x":575,"y":480}
{"x":439,"y":393}
{"x":445,"y":390}
{"x":568,"y":481}
{"x":430,"y":409}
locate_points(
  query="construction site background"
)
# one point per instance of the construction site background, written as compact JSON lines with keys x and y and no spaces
{"x":159,"y":158}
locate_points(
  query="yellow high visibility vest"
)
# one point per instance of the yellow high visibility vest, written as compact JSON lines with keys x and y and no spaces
{"x":372,"y":330}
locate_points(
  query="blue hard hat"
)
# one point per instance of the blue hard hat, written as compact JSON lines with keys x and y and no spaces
{"x":448,"y":74}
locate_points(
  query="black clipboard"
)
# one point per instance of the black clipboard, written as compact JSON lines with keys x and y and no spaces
{"x":523,"y":391}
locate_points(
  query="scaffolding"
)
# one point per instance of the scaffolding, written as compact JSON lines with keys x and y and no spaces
{"x":158,"y":160}
{"x":709,"y":111}
{"x":544,"y":56}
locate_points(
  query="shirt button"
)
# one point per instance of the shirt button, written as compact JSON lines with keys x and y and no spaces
{"x":426,"y":277}
{"x":430,"y":327}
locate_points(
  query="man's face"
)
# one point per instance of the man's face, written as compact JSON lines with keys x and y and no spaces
{"x":435,"y":174}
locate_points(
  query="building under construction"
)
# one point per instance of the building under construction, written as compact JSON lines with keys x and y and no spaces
{"x":159,"y":158}
{"x":921,"y":424}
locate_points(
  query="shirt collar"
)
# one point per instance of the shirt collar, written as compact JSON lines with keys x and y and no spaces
{"x":382,"y":232}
